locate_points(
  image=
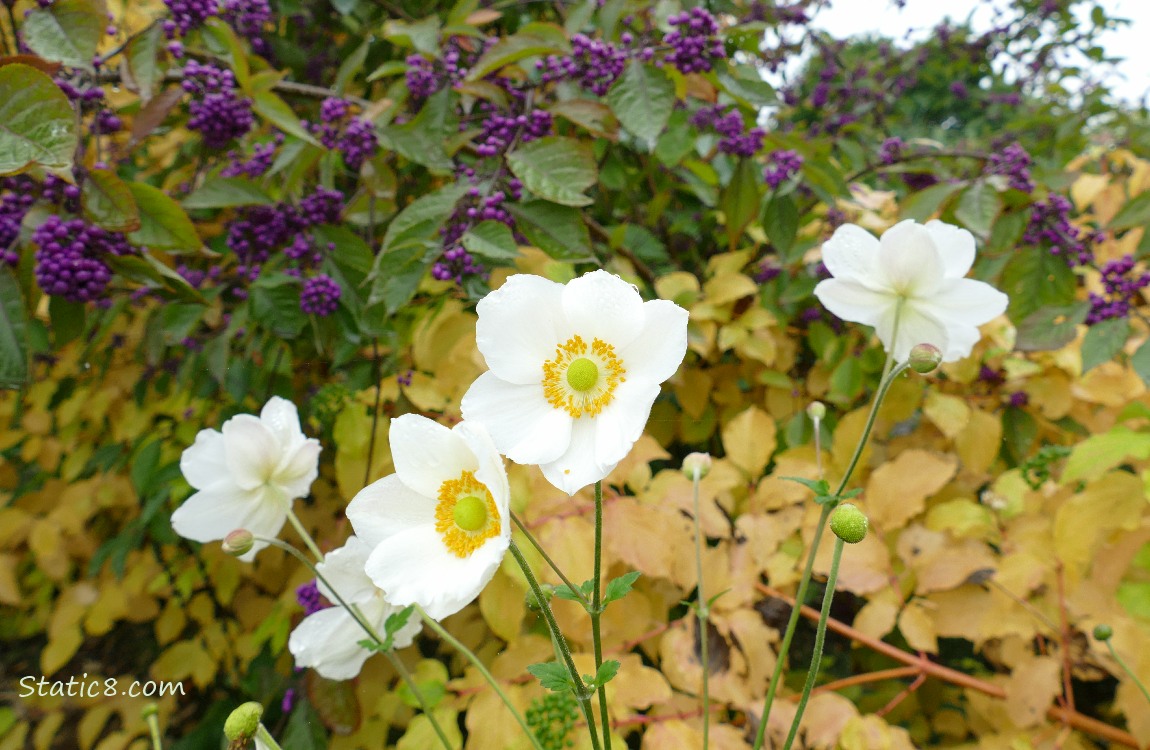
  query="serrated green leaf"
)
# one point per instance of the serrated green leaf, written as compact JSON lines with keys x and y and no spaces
{"x":1049,"y":328}
{"x":925,"y":203}
{"x":1135,"y":213}
{"x":422,"y":217}
{"x":108,"y":202}
{"x":817,"y":486}
{"x":421,"y":35}
{"x":1140,"y":361}
{"x":594,"y":117}
{"x":423,"y":139}
{"x":978,"y":207}
{"x":781,"y":223}
{"x":1033,"y":278}
{"x":556,"y":169}
{"x":534,"y":40}
{"x":276,"y":111}
{"x":619,"y":587}
{"x":492,"y":240}
{"x":163,"y":222}
{"x":395,"y":622}
{"x":1103,"y":340}
{"x":13,"y":332}
{"x":67,"y":31}
{"x":227,"y":192}
{"x":144,"y":268}
{"x":740,"y":200}
{"x":557,"y":230}
{"x":643,"y":99}
{"x":67,"y":319}
{"x":606,"y":672}
{"x":746,"y":86}
{"x":397,"y":274}
{"x":37,"y":124}
{"x":275,"y":305}
{"x":553,"y":676}
{"x":142,"y":56}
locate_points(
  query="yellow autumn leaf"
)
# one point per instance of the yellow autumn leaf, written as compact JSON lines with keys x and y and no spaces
{"x":916,"y":623}
{"x":183,"y":660}
{"x":950,"y":414}
{"x":979,"y":443}
{"x":1097,"y":454}
{"x":897,"y":490}
{"x":749,"y":440}
{"x":1113,"y":501}
{"x":878,"y":616}
{"x":503,"y":606}
{"x":872,"y":733}
{"x":1031,"y":688}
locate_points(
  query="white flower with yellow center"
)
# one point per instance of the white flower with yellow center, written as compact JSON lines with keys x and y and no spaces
{"x":247,"y":474}
{"x":439,"y":526}
{"x":328,"y":640}
{"x":574,"y":371}
{"x":910,"y":286}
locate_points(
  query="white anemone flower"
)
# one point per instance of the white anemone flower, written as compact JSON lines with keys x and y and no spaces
{"x":247,"y":473}
{"x":912,"y":278}
{"x":328,"y":640}
{"x":574,"y":371}
{"x":440,"y":525}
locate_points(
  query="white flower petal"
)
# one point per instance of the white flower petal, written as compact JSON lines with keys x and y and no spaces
{"x":212,"y":514}
{"x":298,"y":468}
{"x":281,"y":417}
{"x":204,"y":463}
{"x":955,"y":247}
{"x":519,"y":326}
{"x":491,"y":472}
{"x":620,"y":424}
{"x":415,"y":567}
{"x":343,"y":568}
{"x":427,"y":454}
{"x":524,"y":427}
{"x":660,"y":347}
{"x":253,"y":452}
{"x":328,"y":642}
{"x":387,"y":507}
{"x":579,"y":465}
{"x":601,"y":305}
{"x":852,"y":253}
{"x":909,"y":259}
{"x":916,"y":325}
{"x":967,"y":302}
{"x":849,"y":300}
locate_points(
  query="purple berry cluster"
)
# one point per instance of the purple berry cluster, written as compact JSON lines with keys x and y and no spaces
{"x":309,"y":598}
{"x":1050,"y":225}
{"x":216,"y":111}
{"x":892,"y":150}
{"x":593,"y":64}
{"x":263,"y":154}
{"x":355,"y":138}
{"x":424,"y":77}
{"x":500,"y":131}
{"x":188,"y":15}
{"x":457,"y":263}
{"x":248,"y":18}
{"x":259,"y":231}
{"x":422,"y":80}
{"x":69,"y":261}
{"x":734,"y":138}
{"x":320,"y":295}
{"x":1120,"y":291}
{"x":323,"y":206}
{"x":694,"y":42}
{"x":1014,"y":162}
{"x":16,"y":197}
{"x":782,"y":166}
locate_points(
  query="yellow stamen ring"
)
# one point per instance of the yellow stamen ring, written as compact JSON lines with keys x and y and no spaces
{"x":466,"y":515}
{"x":581,"y":379}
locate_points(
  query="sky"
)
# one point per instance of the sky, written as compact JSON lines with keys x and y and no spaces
{"x":1130,"y":81}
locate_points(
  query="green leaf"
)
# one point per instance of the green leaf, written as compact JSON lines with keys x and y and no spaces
{"x":67,"y":31}
{"x":422,"y":217}
{"x":606,"y":672}
{"x":553,"y":676}
{"x":563,"y":591}
{"x":142,"y":55}
{"x":223,"y":40}
{"x":1140,"y":361}
{"x":178,"y":320}
{"x":1103,"y":341}
{"x":1135,"y":213}
{"x":746,"y":86}
{"x":924,"y":204}
{"x":37,"y":124}
{"x":1019,"y":430}
{"x":740,"y":200}
{"x":556,"y":169}
{"x":13,"y":332}
{"x":533,"y":40}
{"x":1049,"y":328}
{"x":781,"y":223}
{"x":422,"y":35}
{"x":978,"y":207}
{"x":557,"y":230}
{"x":163,"y":222}
{"x":643,"y":99}
{"x":492,"y":240}
{"x":108,"y":202}
{"x":227,"y":192}
{"x":275,"y":305}
{"x":276,"y":111}
{"x":67,"y":319}
{"x":422,"y":140}
{"x":352,"y":65}
{"x":1034,"y":278}
{"x":594,"y":117}
{"x":394,"y":623}
{"x":146,"y":269}
{"x":397,"y":274}
{"x":619,"y":587}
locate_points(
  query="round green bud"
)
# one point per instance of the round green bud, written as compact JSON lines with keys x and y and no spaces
{"x":238,"y":542}
{"x":925,"y":358}
{"x":849,"y":523}
{"x":149,"y":711}
{"x":697,"y":464}
{"x":816,"y":411}
{"x":1103,"y":632}
{"x":244,"y":721}
{"x":533,"y":602}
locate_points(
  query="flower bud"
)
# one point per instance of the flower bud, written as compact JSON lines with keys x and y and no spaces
{"x":238,"y":542}
{"x":697,"y":465}
{"x":1103,"y":632}
{"x":816,"y":411}
{"x":532,"y":601}
{"x":244,"y":722}
{"x":925,"y":358}
{"x":849,"y":523}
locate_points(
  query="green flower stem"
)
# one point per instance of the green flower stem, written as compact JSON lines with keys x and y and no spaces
{"x":704,"y":611}
{"x":367,"y":628}
{"x":889,"y":374}
{"x":1126,"y":669}
{"x":820,"y":637}
{"x":581,"y":693}
{"x":265,"y":736}
{"x":597,"y":613}
{"x":153,"y":722}
{"x":551,"y":563}
{"x":458,"y":646}
{"x":307,"y":540}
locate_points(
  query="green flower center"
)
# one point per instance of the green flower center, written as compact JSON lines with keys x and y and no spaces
{"x":470,"y":513}
{"x":582,"y":374}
